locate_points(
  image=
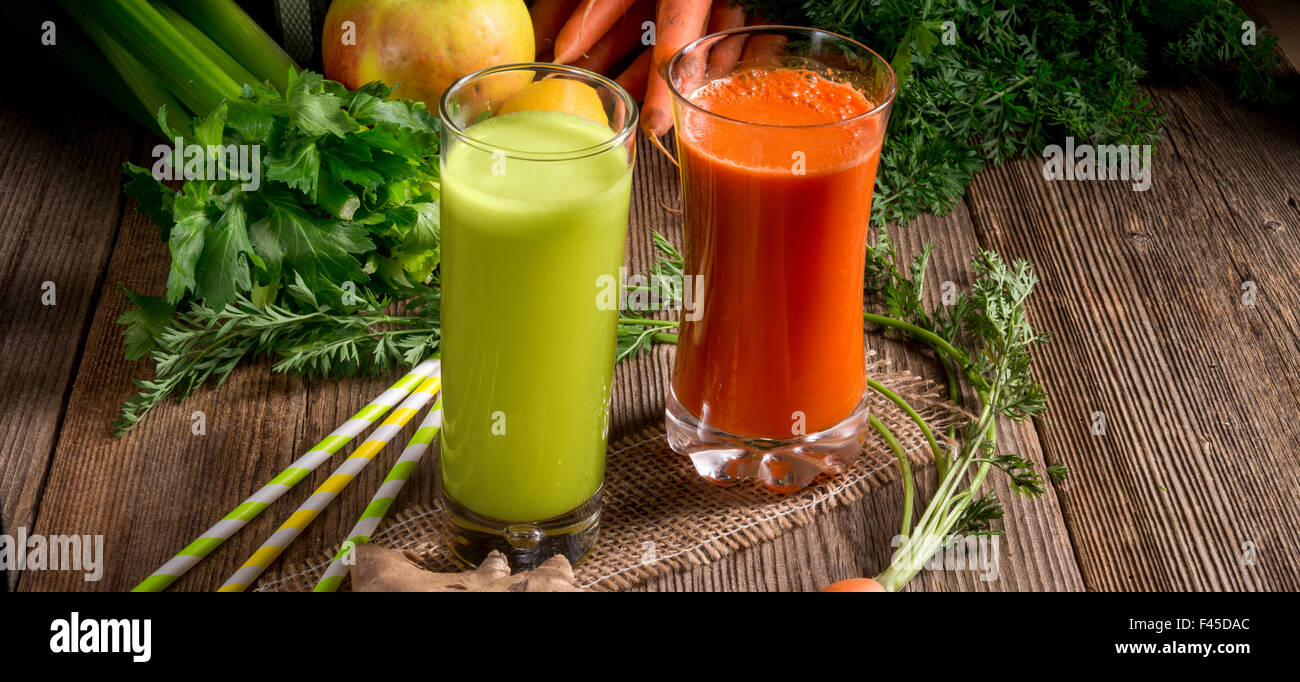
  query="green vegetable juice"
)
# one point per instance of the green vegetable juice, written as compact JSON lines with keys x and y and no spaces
{"x":528,"y":356}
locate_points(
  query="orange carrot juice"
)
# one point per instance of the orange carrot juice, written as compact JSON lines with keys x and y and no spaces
{"x":777,"y":169}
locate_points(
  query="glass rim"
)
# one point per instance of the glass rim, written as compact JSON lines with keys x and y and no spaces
{"x":617,"y":138}
{"x":879,"y":107}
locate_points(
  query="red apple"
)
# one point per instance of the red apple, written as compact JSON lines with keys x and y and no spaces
{"x":425,"y":45}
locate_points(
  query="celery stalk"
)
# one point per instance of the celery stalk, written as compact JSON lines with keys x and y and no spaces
{"x":231,"y":28}
{"x":198,"y":82}
{"x":200,"y":40}
{"x":142,"y":83}
{"x":78,"y":55}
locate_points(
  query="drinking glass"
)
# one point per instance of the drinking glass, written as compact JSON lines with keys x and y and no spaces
{"x":534,"y":215}
{"x":779,"y":131}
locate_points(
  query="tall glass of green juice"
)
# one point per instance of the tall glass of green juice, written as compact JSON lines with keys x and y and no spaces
{"x":536,"y":182}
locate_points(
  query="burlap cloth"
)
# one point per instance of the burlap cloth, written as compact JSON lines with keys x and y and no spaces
{"x":660,"y":516}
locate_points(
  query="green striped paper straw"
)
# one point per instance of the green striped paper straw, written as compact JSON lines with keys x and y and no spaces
{"x":379,"y":504}
{"x":283,"y":481}
{"x":330,"y":489}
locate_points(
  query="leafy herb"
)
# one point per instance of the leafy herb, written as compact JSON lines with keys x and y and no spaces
{"x":1008,"y":77}
{"x":343,"y":221}
{"x":346,"y":196}
{"x":985,"y":338}
{"x":204,"y":344}
{"x":637,"y":333}
{"x":978,"y":516}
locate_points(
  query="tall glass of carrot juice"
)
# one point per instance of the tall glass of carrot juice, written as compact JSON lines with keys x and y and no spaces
{"x":779,"y":132}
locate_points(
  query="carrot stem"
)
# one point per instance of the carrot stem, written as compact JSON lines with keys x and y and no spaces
{"x":905,"y":465}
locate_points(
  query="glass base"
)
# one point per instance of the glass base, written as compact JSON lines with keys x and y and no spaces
{"x":780,"y":465}
{"x":525,"y":544}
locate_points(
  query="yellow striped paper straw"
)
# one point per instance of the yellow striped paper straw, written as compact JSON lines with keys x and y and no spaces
{"x":283,"y":481}
{"x":379,"y":504}
{"x":330,"y":489}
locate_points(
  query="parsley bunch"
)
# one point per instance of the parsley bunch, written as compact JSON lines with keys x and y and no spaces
{"x":303,"y":263}
{"x":347,"y":194}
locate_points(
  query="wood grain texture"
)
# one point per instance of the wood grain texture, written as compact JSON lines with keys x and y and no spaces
{"x":1199,"y":391}
{"x":60,"y":204}
{"x":1282,"y":17}
{"x":155,"y":489}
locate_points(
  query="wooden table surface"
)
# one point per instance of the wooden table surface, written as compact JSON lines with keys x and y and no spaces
{"x":1194,"y":484}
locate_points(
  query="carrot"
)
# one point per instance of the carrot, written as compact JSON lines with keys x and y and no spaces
{"x":678,"y":22}
{"x":725,"y":16}
{"x":657,"y":110}
{"x":588,"y":24}
{"x":636,"y":77}
{"x":724,"y":53}
{"x":855,"y":585}
{"x":621,"y":39}
{"x":763,"y":50}
{"x":548,"y":17}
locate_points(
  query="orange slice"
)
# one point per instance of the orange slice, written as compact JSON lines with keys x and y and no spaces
{"x":558,"y":94}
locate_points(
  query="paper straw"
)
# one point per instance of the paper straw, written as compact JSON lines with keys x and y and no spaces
{"x":379,"y":504}
{"x":283,"y":481}
{"x":330,"y":489}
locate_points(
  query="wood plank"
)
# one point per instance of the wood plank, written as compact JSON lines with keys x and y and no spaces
{"x":1200,"y":392}
{"x":59,"y":211}
{"x":155,"y":489}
